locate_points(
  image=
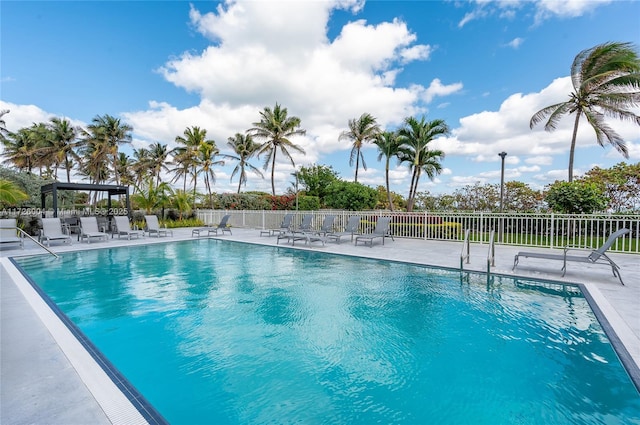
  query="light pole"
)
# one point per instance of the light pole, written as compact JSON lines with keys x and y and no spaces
{"x":502,"y":155}
{"x":501,"y":229}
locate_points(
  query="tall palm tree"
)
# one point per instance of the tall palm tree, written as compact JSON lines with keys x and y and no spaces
{"x":3,"y":124}
{"x":21,"y":149}
{"x":158,"y":154}
{"x":361,"y":130}
{"x":244,"y":147}
{"x":207,"y":153}
{"x":606,"y":83}
{"x":389,"y":146}
{"x":111,"y":132}
{"x":141,"y":166}
{"x":125,"y":167}
{"x":186,"y":155}
{"x":64,"y":141}
{"x":416,"y":136}
{"x":94,"y":157}
{"x":276,"y":128}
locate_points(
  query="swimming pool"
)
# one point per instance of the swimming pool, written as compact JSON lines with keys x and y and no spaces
{"x":224,"y":332}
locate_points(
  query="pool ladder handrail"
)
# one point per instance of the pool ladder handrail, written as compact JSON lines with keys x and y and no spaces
{"x":23,"y":234}
{"x":466,"y":249}
{"x":491,"y":254}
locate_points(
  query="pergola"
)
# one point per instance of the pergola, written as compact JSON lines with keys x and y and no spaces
{"x":53,"y":188}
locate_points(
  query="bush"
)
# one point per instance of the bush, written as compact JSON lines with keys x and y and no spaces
{"x":308,"y":203}
{"x":575,"y":198}
{"x":242,"y":201}
{"x":350,"y":196}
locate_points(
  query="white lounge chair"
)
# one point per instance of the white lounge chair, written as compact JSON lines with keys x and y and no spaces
{"x":595,"y":256}
{"x":380,"y":231}
{"x":89,"y":229}
{"x":52,"y":231}
{"x":9,"y":232}
{"x":222,"y":226}
{"x":124,"y":228}
{"x":153,"y":227}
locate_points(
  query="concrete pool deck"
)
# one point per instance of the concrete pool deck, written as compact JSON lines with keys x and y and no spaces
{"x":46,"y":379}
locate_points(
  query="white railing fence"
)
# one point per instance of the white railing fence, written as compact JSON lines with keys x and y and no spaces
{"x":535,"y":229}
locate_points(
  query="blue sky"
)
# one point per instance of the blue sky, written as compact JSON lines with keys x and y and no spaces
{"x":162,"y":66}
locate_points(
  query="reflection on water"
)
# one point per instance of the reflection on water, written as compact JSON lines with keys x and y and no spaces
{"x":224,"y":332}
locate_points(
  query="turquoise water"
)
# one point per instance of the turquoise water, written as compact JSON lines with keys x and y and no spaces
{"x":218,"y":332}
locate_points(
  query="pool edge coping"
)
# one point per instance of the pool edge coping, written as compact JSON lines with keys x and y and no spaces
{"x":119,"y":400}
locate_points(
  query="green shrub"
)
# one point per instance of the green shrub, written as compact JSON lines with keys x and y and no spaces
{"x":308,"y":203}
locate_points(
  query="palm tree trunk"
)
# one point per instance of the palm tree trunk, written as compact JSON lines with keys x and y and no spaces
{"x":412,"y":194}
{"x":273,"y":167}
{"x":386,"y":171}
{"x":357,"y":165}
{"x":573,"y":146}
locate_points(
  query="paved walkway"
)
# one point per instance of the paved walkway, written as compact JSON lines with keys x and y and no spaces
{"x":46,"y":379}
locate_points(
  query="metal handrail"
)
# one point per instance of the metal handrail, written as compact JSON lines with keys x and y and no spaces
{"x":491,"y":255}
{"x":465,"y":247}
{"x":22,"y":232}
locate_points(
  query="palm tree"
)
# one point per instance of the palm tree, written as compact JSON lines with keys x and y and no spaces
{"x":276,"y":128}
{"x":207,"y":153}
{"x":125,"y":167}
{"x":21,"y":149}
{"x":187,"y":156}
{"x":111,"y":132}
{"x":150,"y":196}
{"x":244,"y":147}
{"x":3,"y":124}
{"x":389,"y":146}
{"x":606,"y":83}
{"x":10,"y":194}
{"x":158,"y":157}
{"x":361,"y":130}
{"x":64,"y":141}
{"x":141,"y":166}
{"x":416,"y":136}
{"x":182,"y":201}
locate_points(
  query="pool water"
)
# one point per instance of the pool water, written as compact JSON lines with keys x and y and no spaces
{"x":221,"y":332}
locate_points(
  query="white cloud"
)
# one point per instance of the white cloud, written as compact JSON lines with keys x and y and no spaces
{"x":565,"y":9}
{"x":542,"y":9}
{"x":540,"y":160}
{"x":516,"y":42}
{"x":21,"y":116}
{"x":436,"y":88}
{"x":507,"y":129}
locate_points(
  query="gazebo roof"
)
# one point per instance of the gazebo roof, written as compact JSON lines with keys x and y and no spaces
{"x":112,"y":189}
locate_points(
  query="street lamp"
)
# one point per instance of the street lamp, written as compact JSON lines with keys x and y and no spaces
{"x":502,"y":155}
{"x":501,"y":229}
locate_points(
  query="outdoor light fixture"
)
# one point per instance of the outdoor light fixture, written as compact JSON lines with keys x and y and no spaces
{"x":502,"y":155}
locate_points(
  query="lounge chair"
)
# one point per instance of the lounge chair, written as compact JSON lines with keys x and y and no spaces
{"x":305,"y":226}
{"x":124,"y":228}
{"x":52,"y":231}
{"x":327,"y":225}
{"x":222,"y":226}
{"x":153,"y":227}
{"x":9,"y":232}
{"x":89,"y":229}
{"x":595,"y":256}
{"x":352,"y":228}
{"x":307,"y":237}
{"x":380,"y":231}
{"x":284,"y":227}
